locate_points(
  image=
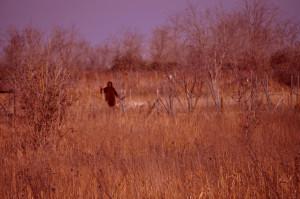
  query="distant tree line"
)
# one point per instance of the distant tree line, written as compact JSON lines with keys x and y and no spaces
{"x":249,"y":39}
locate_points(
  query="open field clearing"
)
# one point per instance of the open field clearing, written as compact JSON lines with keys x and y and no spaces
{"x":104,"y":153}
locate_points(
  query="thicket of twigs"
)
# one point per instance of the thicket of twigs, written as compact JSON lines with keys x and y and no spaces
{"x":38,"y":71}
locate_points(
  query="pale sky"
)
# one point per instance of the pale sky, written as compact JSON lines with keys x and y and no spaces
{"x":96,"y":20}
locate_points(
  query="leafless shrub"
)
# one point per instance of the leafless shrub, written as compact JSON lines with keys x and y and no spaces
{"x":169,"y":94}
{"x":285,"y":65}
{"x":128,"y":52}
{"x":192,"y":88}
{"x":38,"y":71}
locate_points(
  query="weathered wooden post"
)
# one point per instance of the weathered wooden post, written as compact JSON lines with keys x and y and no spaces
{"x":122,"y":100}
{"x":11,"y":92}
{"x":297,"y":175}
{"x":291,"y":90}
{"x":298,"y":91}
{"x":267,"y":92}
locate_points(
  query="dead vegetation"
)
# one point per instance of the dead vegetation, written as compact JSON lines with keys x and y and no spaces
{"x":220,"y":124}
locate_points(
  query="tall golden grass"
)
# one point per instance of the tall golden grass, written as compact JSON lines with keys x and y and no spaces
{"x":104,"y":153}
{"x":211,"y":129}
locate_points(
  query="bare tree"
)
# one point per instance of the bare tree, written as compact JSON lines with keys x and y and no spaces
{"x":128,"y":51}
{"x":159,"y":44}
{"x":39,"y":73}
{"x":241,"y":41}
{"x":165,"y":48}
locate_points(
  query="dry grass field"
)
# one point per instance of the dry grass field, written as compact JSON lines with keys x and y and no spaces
{"x":101,"y":152}
{"x":210,"y":109}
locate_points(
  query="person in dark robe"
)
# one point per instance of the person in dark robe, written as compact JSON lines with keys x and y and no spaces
{"x":110,"y":94}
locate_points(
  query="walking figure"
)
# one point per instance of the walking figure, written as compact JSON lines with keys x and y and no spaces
{"x":110,"y":94}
